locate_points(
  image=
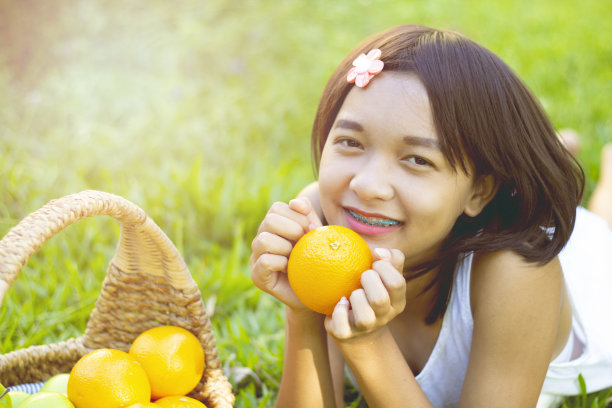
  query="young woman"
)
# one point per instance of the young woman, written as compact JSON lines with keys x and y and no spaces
{"x":433,"y":150}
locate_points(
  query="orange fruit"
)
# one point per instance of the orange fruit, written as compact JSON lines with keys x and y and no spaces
{"x":107,"y":378}
{"x":172,"y":357}
{"x":179,"y":402}
{"x":326,"y":264}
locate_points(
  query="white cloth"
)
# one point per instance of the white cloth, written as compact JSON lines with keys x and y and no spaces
{"x":587,"y":267}
{"x":442,"y":377}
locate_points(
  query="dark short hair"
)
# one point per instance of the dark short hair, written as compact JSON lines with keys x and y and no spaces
{"x":488,"y":123}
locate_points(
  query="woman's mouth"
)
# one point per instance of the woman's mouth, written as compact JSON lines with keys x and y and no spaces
{"x":375,"y":221}
{"x":370,"y":225}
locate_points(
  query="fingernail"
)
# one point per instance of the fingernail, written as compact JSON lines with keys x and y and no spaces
{"x":382,"y":253}
{"x":344,"y":301}
{"x":299,"y":204}
{"x":311,"y":227}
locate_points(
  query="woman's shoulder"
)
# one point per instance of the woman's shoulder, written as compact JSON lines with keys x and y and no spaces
{"x":516,"y":323}
{"x":505,"y":276}
{"x":509,"y":263}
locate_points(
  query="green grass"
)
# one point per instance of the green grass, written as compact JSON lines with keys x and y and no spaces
{"x":200,"y":113}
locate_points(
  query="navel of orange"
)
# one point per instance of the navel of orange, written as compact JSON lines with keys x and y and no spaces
{"x":326,"y":264}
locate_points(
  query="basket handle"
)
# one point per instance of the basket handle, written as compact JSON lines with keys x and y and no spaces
{"x":26,"y":238}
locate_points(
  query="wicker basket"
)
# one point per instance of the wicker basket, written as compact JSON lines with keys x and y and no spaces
{"x":147,"y":284}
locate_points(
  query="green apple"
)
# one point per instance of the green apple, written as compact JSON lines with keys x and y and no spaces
{"x":57,"y":383}
{"x":17,"y":397}
{"x":5,"y":399}
{"x":46,"y":400}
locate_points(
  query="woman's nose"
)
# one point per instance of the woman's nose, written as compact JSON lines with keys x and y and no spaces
{"x":373,"y":181}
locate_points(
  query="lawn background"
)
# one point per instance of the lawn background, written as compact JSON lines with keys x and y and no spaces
{"x":200,"y":113}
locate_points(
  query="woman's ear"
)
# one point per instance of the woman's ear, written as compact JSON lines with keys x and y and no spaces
{"x":485,"y":188}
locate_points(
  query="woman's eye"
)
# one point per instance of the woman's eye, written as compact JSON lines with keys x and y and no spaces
{"x":351,"y":143}
{"x":419,"y":161}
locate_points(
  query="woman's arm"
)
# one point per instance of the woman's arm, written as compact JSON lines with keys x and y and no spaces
{"x":383,"y":374}
{"x":336,"y":362}
{"x":519,"y":321}
{"x":307,"y":379}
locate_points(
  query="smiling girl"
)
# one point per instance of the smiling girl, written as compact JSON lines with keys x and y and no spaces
{"x":432,"y":149}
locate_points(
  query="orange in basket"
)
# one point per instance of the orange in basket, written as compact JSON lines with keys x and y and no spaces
{"x":172,"y":357}
{"x":179,"y":402}
{"x":107,"y":378}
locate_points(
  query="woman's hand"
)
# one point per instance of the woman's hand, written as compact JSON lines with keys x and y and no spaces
{"x":381,"y":298}
{"x":280,"y":229}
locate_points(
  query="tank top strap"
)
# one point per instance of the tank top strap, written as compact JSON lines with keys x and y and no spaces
{"x":442,"y":377}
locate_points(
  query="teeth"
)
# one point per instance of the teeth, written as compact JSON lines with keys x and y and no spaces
{"x":375,"y":221}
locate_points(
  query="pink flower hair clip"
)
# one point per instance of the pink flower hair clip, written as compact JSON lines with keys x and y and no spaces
{"x":365,"y":67}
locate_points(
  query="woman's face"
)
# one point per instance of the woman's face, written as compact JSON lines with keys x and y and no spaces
{"x":382,"y":172}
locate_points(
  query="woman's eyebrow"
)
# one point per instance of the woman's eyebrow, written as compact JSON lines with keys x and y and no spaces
{"x":348,"y":124}
{"x":409,"y":139}
{"x":422,"y":141}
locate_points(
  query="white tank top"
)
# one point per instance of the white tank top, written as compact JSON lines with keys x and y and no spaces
{"x":442,"y":377}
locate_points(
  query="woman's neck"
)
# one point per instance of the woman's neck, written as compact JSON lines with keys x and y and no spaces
{"x":421,"y":294}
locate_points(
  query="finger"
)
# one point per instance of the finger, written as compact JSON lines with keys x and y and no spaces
{"x":266,"y":271}
{"x":394,"y":256}
{"x":363,"y":315}
{"x":284,"y":292}
{"x":397,"y":260}
{"x":392,"y":279}
{"x":376,"y":292}
{"x":338,"y":324}
{"x":313,"y":217}
{"x":304,"y":207}
{"x":280,"y":212}
{"x":286,"y":227}
{"x":382,"y":254}
{"x":301,"y":205}
{"x":268,"y":274}
{"x":269,"y":243}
